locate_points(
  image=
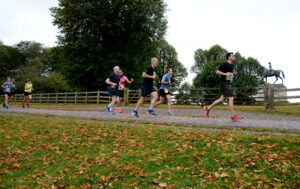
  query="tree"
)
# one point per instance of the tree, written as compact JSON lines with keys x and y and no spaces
{"x":10,"y":60}
{"x":167,"y":57}
{"x":96,"y":35}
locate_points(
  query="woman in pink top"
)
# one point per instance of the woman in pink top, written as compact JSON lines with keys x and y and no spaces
{"x":123,"y":80}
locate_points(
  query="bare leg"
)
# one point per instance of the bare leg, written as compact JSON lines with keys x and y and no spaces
{"x":119,"y":102}
{"x":11,"y":99}
{"x":6,"y":99}
{"x":169,"y":102}
{"x":154,"y":99}
{"x":231,"y":105}
{"x":140,"y":102}
{"x":24,"y":100}
{"x":161,"y":100}
{"x":216,"y":102}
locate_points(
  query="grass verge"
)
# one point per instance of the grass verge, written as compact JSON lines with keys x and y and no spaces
{"x":64,"y":153}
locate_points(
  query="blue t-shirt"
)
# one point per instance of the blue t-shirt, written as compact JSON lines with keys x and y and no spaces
{"x":166,"y":78}
{"x":7,"y":87}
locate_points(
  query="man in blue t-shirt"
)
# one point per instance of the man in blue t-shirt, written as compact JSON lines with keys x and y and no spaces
{"x":7,"y":91}
{"x":226,"y":71}
{"x":147,"y":88}
{"x":164,"y":90}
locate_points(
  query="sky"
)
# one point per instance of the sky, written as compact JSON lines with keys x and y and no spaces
{"x":267,"y":30}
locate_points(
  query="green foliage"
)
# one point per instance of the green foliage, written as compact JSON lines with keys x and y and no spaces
{"x":97,"y":35}
{"x":10,"y":60}
{"x":167,"y":57}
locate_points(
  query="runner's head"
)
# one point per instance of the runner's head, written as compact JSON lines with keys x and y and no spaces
{"x":12,"y":79}
{"x":121,"y":73}
{"x":116,"y":69}
{"x":154,"y":62}
{"x":28,"y":80}
{"x":8,"y":79}
{"x":170,"y":71}
{"x":230,"y":56}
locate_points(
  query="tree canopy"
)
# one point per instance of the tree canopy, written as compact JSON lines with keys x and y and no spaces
{"x":96,"y":35}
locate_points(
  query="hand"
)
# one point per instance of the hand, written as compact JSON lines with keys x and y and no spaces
{"x":229,"y":74}
{"x":235,"y":73}
{"x":170,"y":82}
{"x":131,"y":80}
{"x":154,"y":76}
{"x":114,"y":84}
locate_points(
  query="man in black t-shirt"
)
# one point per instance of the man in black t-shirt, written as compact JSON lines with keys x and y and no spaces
{"x":226,"y":71}
{"x":147,"y":88}
{"x":113,"y":81}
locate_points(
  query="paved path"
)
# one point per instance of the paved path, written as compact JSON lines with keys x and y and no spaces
{"x":186,"y":116}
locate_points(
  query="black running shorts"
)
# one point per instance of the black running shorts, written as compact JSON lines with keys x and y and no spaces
{"x":226,"y":90}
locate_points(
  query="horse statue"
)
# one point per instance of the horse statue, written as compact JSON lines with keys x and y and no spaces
{"x":270,"y":73}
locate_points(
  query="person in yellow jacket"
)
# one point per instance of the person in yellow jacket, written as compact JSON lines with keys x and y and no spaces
{"x":27,"y":93}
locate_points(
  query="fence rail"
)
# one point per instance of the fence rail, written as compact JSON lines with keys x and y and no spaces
{"x":268,"y":96}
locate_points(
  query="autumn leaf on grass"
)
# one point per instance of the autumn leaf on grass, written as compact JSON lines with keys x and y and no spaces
{"x":163,"y":185}
{"x":222,"y":175}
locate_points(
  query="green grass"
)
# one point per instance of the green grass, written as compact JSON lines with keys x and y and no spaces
{"x":64,"y":153}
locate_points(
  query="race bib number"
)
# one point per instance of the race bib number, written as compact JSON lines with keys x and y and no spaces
{"x":154,"y":74}
{"x":166,"y":90}
{"x":29,"y":90}
{"x":121,"y":87}
{"x":7,"y":90}
{"x":229,"y":78}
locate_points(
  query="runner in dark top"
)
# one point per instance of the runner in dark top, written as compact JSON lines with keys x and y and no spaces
{"x":226,"y":71}
{"x":147,"y":88}
{"x":113,"y":81}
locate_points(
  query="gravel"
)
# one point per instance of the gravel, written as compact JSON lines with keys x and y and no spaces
{"x":185,"y":116}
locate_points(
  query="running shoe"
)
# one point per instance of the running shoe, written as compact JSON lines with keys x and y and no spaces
{"x":118,"y":111}
{"x":23,"y":106}
{"x":236,"y":117}
{"x":109,"y":110}
{"x":3,"y":105}
{"x":27,"y":105}
{"x":206,"y":111}
{"x":6,"y":107}
{"x":135,"y":113}
{"x":151,"y":112}
{"x":170,"y":114}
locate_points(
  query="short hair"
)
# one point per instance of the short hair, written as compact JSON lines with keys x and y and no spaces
{"x":228,"y":55}
{"x":168,"y":70}
{"x":153,"y":59}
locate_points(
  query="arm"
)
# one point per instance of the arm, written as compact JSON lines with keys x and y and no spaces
{"x":110,"y":83}
{"x":222,"y":73}
{"x":129,"y":82}
{"x":144,"y":75}
{"x":3,"y":86}
{"x":164,"y":82}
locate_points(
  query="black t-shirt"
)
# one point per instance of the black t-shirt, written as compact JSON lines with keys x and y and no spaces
{"x":150,"y":71}
{"x":226,"y":67}
{"x":115,"y":78}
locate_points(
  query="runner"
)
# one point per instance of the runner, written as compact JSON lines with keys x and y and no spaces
{"x":226,"y":71}
{"x":164,"y":91}
{"x":27,"y":93}
{"x":113,"y":81}
{"x":123,"y":80}
{"x":147,"y":88}
{"x":13,"y":92}
{"x":7,"y":91}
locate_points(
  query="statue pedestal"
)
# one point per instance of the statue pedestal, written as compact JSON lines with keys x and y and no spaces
{"x":280,"y":91}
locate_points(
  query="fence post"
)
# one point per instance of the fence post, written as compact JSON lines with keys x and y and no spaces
{"x":269,"y":97}
{"x":56,"y":97}
{"x":98,"y":95}
{"x":48,"y":98}
{"x":66,"y":97}
{"x":75,"y":97}
{"x":85,"y":100}
{"x":126,"y":96}
{"x":202,"y":97}
{"x":41,"y":94}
